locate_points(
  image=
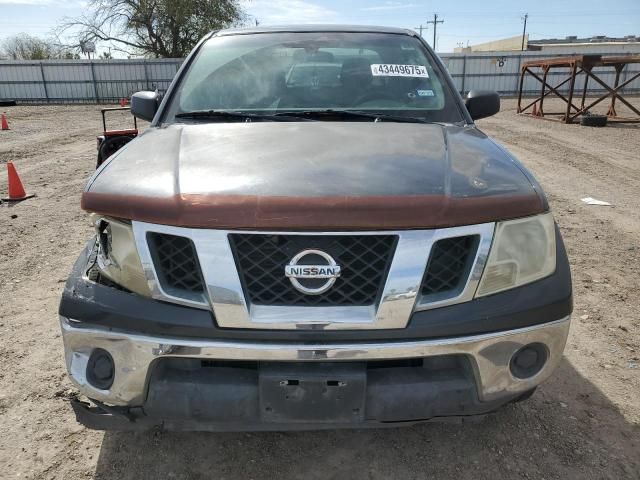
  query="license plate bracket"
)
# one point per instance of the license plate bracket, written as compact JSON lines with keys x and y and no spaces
{"x":312,"y":393}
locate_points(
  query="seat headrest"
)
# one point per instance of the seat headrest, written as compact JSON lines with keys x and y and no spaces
{"x":356,"y":71}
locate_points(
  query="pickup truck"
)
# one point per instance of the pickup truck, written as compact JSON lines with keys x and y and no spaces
{"x":312,"y":233}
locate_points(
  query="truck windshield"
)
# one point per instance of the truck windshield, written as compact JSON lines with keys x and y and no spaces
{"x":278,"y":73}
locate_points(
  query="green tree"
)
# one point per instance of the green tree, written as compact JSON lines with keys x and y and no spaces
{"x":158,"y":28}
{"x":27,"y":47}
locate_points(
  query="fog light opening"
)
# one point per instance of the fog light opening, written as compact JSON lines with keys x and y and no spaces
{"x":100,"y":369}
{"x":529,"y":360}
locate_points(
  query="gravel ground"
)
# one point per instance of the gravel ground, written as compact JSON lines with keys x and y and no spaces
{"x":583,"y":423}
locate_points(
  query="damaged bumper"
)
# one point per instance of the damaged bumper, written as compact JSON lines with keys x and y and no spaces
{"x":235,"y":385}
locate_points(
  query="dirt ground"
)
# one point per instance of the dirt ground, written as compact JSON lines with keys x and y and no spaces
{"x":584,"y":423}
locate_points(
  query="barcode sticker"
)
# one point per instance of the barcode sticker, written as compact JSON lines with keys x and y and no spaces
{"x":389,"y":70}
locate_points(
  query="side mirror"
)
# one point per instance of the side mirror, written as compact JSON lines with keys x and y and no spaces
{"x":144,"y":105}
{"x":481,"y":103}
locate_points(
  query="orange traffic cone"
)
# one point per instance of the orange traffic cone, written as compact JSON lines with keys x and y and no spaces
{"x":16,"y":190}
{"x":5,"y":124}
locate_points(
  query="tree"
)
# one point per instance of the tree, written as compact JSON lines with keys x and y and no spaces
{"x":159,"y":28}
{"x":70,"y":56}
{"x":27,"y":47}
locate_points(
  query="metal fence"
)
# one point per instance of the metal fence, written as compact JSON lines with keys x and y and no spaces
{"x":107,"y":81}
{"x":501,"y":72}
{"x":83,"y":81}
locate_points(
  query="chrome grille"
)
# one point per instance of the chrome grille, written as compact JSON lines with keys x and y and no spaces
{"x":448,"y":267}
{"x":364,"y":259}
{"x":176,"y":264}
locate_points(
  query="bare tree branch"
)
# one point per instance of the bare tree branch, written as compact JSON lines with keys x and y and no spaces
{"x":159,"y":28}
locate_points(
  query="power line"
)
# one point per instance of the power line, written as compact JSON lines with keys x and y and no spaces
{"x":435,"y":23}
{"x":420,"y":28}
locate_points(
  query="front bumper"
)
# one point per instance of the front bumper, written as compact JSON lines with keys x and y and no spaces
{"x":135,"y":355}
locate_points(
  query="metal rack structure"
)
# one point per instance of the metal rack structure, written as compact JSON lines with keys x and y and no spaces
{"x":579,"y":65}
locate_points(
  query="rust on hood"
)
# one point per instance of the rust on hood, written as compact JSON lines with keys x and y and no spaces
{"x":312,"y":213}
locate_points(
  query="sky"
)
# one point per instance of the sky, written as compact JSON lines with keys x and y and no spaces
{"x":465,"y":21}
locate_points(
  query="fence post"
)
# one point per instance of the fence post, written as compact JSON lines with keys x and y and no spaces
{"x":44,"y":83}
{"x":146,"y":74}
{"x":93,"y":80}
{"x":464,"y":73}
{"x":516,"y":89}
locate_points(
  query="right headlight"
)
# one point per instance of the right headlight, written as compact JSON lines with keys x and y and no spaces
{"x":522,"y":252}
{"x":117,"y":257}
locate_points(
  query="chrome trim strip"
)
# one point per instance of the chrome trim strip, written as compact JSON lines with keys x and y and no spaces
{"x":227,"y":299}
{"x":133,"y":355}
{"x":320,"y":317}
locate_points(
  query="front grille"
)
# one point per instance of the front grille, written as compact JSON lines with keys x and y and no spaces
{"x":176,"y":264}
{"x":364,"y":260}
{"x":449,"y":266}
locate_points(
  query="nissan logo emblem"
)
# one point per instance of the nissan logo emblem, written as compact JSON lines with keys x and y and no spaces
{"x":312,"y":272}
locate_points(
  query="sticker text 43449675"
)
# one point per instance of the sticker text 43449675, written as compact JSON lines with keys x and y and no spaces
{"x":390,"y":70}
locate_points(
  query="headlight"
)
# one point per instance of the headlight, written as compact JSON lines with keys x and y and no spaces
{"x":117,"y":257}
{"x":523,"y":251}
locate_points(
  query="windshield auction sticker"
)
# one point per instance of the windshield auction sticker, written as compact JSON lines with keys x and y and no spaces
{"x":388,"y":70}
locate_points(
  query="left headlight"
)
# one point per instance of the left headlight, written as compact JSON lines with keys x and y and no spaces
{"x":522,"y":252}
{"x":117,"y":256}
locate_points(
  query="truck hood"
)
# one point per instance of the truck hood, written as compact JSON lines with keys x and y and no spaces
{"x":313,"y":175}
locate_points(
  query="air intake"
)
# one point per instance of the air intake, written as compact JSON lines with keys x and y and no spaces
{"x":177,"y":266}
{"x":448,"y":268}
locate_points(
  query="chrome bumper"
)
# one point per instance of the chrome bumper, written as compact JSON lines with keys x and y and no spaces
{"x":133,"y":354}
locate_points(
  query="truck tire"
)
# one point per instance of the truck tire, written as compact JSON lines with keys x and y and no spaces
{"x":110,"y":146}
{"x":593,"y":120}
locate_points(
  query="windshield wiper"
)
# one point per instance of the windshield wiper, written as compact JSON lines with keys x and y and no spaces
{"x":231,"y":114}
{"x":329,"y":113}
{"x":306,"y":115}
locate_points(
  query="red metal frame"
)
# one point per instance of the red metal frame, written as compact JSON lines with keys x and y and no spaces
{"x":580,"y":64}
{"x":118,"y":133}
{"x":114,"y":133}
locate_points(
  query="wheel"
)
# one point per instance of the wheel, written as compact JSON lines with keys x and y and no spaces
{"x":590,"y":120}
{"x":110,"y":146}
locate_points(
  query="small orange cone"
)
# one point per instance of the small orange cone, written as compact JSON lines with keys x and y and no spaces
{"x":5,"y":124}
{"x":16,"y":190}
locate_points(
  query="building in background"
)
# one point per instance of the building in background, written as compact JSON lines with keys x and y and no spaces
{"x":503,"y":45}
{"x":600,"y":44}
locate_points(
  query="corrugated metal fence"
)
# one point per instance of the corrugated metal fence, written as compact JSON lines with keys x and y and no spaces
{"x":107,"y":81}
{"x":83,"y":81}
{"x":501,"y":72}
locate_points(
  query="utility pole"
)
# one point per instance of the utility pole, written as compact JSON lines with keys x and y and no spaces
{"x":524,"y":31}
{"x":420,"y":28}
{"x":435,"y":22}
